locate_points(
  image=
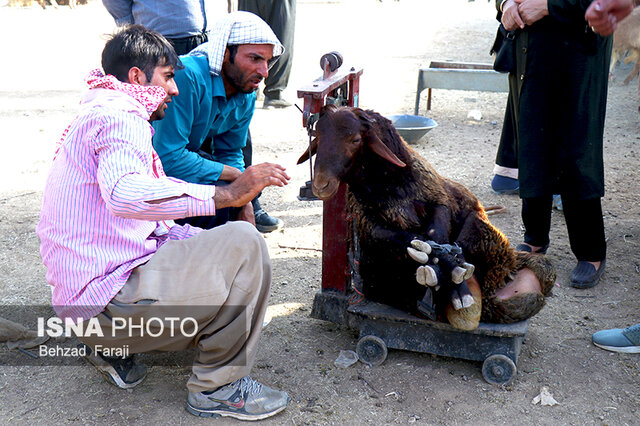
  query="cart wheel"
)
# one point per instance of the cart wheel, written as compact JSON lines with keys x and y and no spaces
{"x":498,"y":370}
{"x":371,"y":350}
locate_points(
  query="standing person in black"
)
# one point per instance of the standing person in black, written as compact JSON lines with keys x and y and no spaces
{"x":281,"y":17}
{"x":559,"y":93}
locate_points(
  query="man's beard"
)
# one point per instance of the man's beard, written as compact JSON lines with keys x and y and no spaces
{"x":159,"y":113}
{"x":238,"y":80}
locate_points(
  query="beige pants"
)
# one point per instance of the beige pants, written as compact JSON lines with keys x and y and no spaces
{"x":221,"y":279}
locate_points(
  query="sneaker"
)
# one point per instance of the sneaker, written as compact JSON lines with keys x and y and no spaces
{"x":266,"y":223}
{"x":585,"y":275}
{"x":124,"y":373}
{"x":626,"y":340}
{"x":275,"y":103}
{"x":244,"y":399}
{"x":505,"y":185}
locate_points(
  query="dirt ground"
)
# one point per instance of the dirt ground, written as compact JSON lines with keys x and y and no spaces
{"x":45,"y":55}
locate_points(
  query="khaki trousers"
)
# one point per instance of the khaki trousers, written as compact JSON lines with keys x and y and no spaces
{"x":221,"y":279}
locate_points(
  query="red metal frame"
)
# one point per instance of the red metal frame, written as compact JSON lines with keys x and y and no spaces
{"x":335,"y":265}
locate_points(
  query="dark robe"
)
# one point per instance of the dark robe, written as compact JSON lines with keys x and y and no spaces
{"x":558,"y":96}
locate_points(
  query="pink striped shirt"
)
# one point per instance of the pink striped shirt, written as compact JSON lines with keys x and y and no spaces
{"x":97,"y":222}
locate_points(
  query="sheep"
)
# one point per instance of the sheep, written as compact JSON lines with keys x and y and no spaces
{"x":404,"y":211}
{"x":626,"y":45}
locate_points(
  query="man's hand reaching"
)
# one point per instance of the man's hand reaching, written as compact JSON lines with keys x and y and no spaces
{"x":249,"y":184}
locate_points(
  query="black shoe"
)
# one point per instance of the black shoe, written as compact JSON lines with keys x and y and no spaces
{"x":266,"y":223}
{"x":275,"y":103}
{"x":585,"y":275}
{"x":526,"y":248}
{"x":124,"y":373}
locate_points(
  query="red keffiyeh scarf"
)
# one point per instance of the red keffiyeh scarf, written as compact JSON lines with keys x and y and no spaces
{"x":149,"y":96}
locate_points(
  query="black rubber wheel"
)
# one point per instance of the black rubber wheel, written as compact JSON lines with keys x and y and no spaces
{"x":499,"y":370}
{"x":333,"y":58}
{"x":371,"y":350}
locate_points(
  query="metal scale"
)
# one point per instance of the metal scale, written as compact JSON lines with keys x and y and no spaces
{"x":381,"y":326}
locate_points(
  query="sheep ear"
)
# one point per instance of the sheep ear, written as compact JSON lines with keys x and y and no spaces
{"x":364,"y":117}
{"x":328,"y":108}
{"x":382,"y":150}
{"x":314,"y":148}
{"x":373,"y":140}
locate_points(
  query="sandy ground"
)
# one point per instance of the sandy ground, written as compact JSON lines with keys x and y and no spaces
{"x":45,"y":55}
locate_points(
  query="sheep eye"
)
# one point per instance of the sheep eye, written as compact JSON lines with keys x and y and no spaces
{"x":357,"y":140}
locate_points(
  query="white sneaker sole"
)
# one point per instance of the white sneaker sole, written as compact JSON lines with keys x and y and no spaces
{"x":240,"y":416}
{"x":622,"y":349}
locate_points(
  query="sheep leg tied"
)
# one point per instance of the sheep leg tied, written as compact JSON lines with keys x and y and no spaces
{"x":440,"y":227}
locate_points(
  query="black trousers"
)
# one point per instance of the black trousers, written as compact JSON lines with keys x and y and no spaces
{"x":281,"y":17}
{"x":182,"y":46}
{"x":585,"y":225}
{"x":507,"y":155}
{"x":227,"y":214}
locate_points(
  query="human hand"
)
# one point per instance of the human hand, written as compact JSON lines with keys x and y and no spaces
{"x":603,"y":15}
{"x":249,"y":184}
{"x":511,"y":18}
{"x":229,"y":173}
{"x":246,"y":214}
{"x":532,"y":11}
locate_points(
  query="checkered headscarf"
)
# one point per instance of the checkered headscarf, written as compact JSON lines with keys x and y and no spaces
{"x":236,"y":28}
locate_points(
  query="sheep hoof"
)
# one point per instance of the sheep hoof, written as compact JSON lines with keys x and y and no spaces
{"x":462,"y":302}
{"x":461,"y":296}
{"x":467,"y":318}
{"x":457,"y":304}
{"x":425,"y":275}
{"x":418,"y":256}
{"x":470,"y":270}
{"x":457,"y":274}
{"x":467,"y":300}
{"x":421,"y":245}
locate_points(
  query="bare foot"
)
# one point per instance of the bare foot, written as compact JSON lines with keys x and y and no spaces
{"x":596,"y":265}
{"x":534,"y":249}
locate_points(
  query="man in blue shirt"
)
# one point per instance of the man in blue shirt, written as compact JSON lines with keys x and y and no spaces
{"x":203,"y":133}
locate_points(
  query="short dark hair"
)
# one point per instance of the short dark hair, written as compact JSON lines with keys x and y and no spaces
{"x":137,"y":46}
{"x":233,"y":49}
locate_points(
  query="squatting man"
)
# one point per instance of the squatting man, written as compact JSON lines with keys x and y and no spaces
{"x":112,"y":250}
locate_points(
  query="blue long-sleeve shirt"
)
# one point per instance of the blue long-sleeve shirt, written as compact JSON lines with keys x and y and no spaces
{"x":171,"y":18}
{"x":202,"y":110}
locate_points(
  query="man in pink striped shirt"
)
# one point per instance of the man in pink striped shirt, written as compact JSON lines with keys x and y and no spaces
{"x":113,"y":252}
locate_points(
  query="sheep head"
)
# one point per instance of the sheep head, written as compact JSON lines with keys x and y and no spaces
{"x":341,"y":136}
